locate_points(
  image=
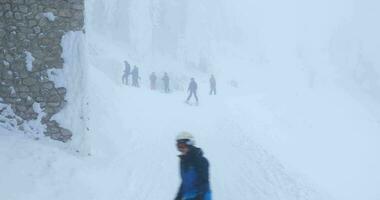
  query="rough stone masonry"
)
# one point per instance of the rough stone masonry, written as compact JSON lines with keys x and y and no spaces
{"x":30,"y":44}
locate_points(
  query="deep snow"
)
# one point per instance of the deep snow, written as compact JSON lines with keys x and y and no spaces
{"x":131,"y":160}
{"x":297,"y":115}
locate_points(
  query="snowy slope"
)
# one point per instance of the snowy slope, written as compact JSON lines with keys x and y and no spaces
{"x":306,"y":81}
{"x":291,"y":122}
{"x":132,"y":160}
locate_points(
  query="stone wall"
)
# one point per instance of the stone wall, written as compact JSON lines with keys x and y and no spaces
{"x":30,"y":46}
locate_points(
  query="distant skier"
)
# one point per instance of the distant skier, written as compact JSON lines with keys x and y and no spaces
{"x":127,"y":72}
{"x":194,"y":170}
{"x":166,"y":82}
{"x":193,"y":87}
{"x":153,"y":79}
{"x":135,"y":77}
{"x":212,"y":85}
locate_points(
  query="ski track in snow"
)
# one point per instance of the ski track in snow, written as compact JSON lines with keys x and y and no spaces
{"x":146,"y":154}
{"x":133,"y":154}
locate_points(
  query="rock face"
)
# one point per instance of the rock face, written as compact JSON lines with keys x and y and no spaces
{"x":30,"y":45}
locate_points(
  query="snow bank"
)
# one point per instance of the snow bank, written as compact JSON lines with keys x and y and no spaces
{"x":73,"y":78}
{"x":36,"y":169}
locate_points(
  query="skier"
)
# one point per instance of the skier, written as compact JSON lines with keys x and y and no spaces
{"x":194,"y":169}
{"x":212,"y":85}
{"x":166,"y":82}
{"x":127,"y":72}
{"x":153,"y":79}
{"x":193,"y":86}
{"x":135,"y":77}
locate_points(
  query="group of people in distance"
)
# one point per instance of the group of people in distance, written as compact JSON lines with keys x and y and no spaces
{"x":134,"y":73}
{"x":192,"y":89}
{"x":153,"y":82}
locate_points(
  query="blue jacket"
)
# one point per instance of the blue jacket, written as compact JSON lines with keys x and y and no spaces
{"x":195,"y":176}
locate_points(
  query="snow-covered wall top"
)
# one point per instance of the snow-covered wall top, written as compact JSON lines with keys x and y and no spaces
{"x":30,"y":53}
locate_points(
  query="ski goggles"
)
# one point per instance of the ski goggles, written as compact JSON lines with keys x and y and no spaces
{"x":181,"y":145}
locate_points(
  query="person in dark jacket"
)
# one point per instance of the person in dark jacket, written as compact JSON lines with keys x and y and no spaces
{"x":135,"y":77}
{"x":212,"y":85}
{"x":166,"y":82}
{"x":194,"y":170}
{"x":127,"y":72}
{"x":193,"y":87}
{"x":153,"y":79}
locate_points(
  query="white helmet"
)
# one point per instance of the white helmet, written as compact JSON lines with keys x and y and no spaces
{"x":187,"y":137}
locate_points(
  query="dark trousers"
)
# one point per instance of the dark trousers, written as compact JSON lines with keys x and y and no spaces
{"x":125,"y":79}
{"x":191,"y":94}
{"x":167,"y":88}
{"x":213,"y":91}
{"x":135,"y":82}
{"x":206,"y":196}
{"x":153,"y":85}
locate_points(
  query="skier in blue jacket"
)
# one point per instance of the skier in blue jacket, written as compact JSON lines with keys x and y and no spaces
{"x":194,"y":169}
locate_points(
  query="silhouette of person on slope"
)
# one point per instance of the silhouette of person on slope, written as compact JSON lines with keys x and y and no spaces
{"x":193,"y":87}
{"x":127,"y":72}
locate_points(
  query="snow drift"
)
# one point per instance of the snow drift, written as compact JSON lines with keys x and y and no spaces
{"x":297,"y":114}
